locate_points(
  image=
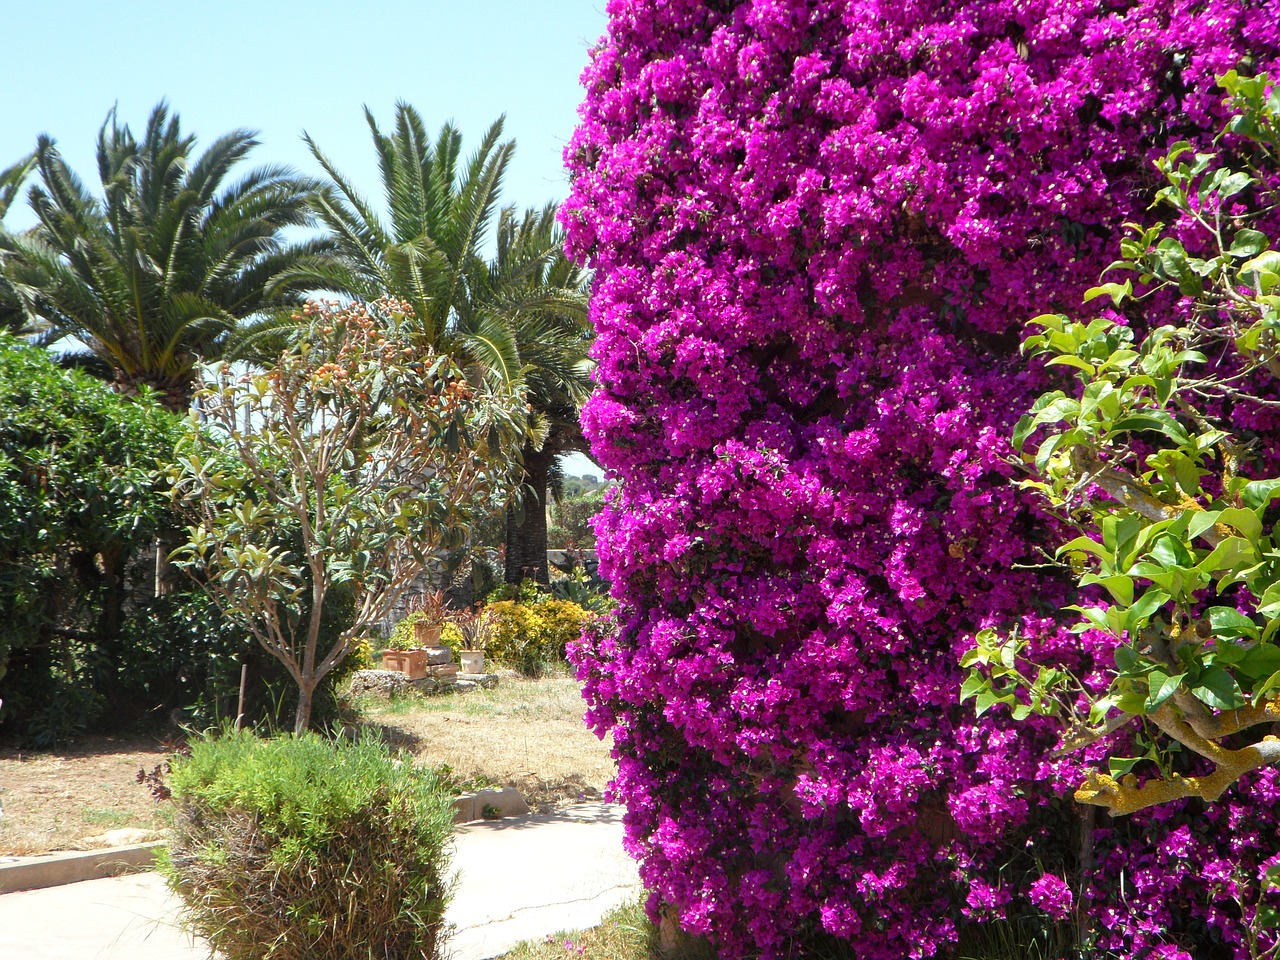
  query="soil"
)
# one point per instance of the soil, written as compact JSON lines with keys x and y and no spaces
{"x":524,"y":734}
{"x":57,"y":800}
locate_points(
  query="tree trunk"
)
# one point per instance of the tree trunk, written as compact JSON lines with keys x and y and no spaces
{"x":175,"y":392}
{"x":302,"y":717}
{"x":527,"y":541}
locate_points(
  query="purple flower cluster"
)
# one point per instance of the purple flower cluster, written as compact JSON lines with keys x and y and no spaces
{"x":818,"y":227}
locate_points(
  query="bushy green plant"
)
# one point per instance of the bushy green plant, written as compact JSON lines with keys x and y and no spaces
{"x":526,"y":591}
{"x":81,"y":506}
{"x":403,"y":636}
{"x":1151,"y":460}
{"x":280,"y":517}
{"x":529,"y":636}
{"x":299,"y":848}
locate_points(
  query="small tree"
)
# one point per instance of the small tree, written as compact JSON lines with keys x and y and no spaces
{"x":1151,"y":461}
{"x":348,"y":468}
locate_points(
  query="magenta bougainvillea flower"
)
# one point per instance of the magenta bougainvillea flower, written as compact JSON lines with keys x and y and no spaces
{"x":818,"y":227}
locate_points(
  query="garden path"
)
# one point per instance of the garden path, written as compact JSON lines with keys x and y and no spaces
{"x":520,"y":878}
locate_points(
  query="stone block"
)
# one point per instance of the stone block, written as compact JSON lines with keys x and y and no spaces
{"x":505,"y":801}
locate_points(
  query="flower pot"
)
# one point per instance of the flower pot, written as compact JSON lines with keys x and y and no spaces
{"x":472,"y":661}
{"x":412,"y":663}
{"x":427,"y":634}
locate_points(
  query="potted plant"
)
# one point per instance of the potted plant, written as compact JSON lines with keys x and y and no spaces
{"x":414,"y":646}
{"x":428,"y":613}
{"x":476,"y":627}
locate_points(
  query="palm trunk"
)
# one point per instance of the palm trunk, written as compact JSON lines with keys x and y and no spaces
{"x":527,"y":541}
{"x":175,"y":393}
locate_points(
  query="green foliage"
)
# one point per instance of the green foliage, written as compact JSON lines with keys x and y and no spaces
{"x":81,"y":504}
{"x":403,"y":636}
{"x":571,"y":518}
{"x":370,"y":460}
{"x":156,"y":273}
{"x":1143,"y":459}
{"x":451,"y":637}
{"x":309,"y":849}
{"x":528,"y":636}
{"x":526,"y":591}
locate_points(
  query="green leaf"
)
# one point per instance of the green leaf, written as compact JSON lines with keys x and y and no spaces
{"x":1083,"y":545}
{"x":1157,"y":421}
{"x":1218,"y":689}
{"x":1269,"y":602}
{"x":1261,"y":661}
{"x":1147,"y":604}
{"x":1246,"y":521}
{"x":1162,"y":687}
{"x":1119,"y":766}
{"x":1259,"y":493}
{"x":1261,"y":691}
{"x":1248,"y":243}
{"x":1230,"y":623}
{"x":1229,"y":554}
{"x":1126,"y":658}
{"x":1171,"y":552}
{"x":974,"y":684}
{"x":1119,"y":586}
{"x":1202,"y":522}
{"x":1263,"y":270}
{"x":1116,"y":291}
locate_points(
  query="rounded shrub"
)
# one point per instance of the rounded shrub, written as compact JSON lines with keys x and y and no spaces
{"x":817,"y":230}
{"x":529,"y":636}
{"x":300,"y":848}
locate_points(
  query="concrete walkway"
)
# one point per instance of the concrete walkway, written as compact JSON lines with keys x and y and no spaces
{"x":518,"y":879}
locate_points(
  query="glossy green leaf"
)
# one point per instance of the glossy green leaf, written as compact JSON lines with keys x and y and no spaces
{"x":1162,"y":687}
{"x":1230,"y":623}
{"x":1218,"y":689}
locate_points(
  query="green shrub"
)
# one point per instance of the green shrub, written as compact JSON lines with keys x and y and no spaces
{"x":528,"y":636}
{"x":300,"y":848}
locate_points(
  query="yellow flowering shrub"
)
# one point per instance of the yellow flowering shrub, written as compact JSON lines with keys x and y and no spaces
{"x":528,"y":636}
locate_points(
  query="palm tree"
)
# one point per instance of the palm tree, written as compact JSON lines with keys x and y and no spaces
{"x":519,"y":316}
{"x":155,"y":275}
{"x":552,"y":338}
{"x":12,"y":316}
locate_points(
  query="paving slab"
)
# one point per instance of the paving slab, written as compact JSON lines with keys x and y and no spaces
{"x":519,"y":878}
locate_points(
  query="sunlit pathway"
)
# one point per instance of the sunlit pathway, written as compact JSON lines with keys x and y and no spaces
{"x":520,"y":878}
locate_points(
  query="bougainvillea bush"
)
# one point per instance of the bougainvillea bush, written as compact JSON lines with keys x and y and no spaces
{"x":818,"y":229}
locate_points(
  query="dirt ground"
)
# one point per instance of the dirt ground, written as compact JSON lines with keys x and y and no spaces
{"x":55,"y":800}
{"x":524,"y":734}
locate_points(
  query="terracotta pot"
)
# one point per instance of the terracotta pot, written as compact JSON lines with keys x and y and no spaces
{"x":427,"y":634}
{"x":412,"y":663}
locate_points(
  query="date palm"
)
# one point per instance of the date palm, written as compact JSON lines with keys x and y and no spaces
{"x":490,"y":286}
{"x":157,"y":273}
{"x":552,"y":338}
{"x":12,"y":316}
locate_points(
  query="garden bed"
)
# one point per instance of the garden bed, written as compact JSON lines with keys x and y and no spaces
{"x":526,"y":734}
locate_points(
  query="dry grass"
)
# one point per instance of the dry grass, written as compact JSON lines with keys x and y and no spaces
{"x":54,"y":800}
{"x":526,"y":734}
{"x":623,"y":934}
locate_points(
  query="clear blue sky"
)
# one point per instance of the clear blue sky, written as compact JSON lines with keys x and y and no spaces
{"x":284,"y":67}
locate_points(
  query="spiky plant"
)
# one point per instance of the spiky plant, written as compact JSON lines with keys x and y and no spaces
{"x":154,"y":275}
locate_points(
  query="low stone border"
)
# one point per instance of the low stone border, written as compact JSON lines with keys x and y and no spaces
{"x":506,"y":802}
{"x":58,"y":868}
{"x":32,"y":873}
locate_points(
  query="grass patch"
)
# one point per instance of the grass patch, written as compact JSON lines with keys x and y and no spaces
{"x":623,"y":934}
{"x":109,"y":819}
